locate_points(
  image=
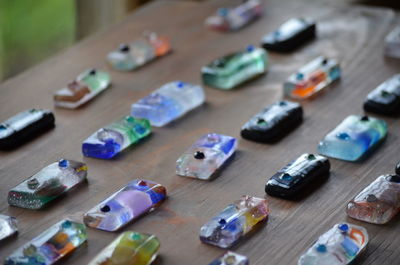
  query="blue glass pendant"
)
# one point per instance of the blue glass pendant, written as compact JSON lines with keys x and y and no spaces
{"x":168,"y":103}
{"x":353,"y":138}
{"x":115,"y":137}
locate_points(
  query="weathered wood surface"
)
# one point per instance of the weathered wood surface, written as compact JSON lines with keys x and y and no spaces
{"x":352,"y":34}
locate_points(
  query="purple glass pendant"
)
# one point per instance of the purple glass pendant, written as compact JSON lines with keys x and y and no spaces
{"x":127,"y":204}
{"x":235,"y":221}
{"x":206,"y":156}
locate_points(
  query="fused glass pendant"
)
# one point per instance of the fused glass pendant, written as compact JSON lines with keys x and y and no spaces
{"x":85,"y":87}
{"x":353,"y":138}
{"x":379,"y":202}
{"x":130,"y":248}
{"x":52,"y":245}
{"x":24,"y":126}
{"x":290,"y":35}
{"x":385,"y":99}
{"x":228,"y":19}
{"x":312,"y":78}
{"x":231,"y":258}
{"x":235,"y":221}
{"x":273,"y":122}
{"x":127,"y":204}
{"x":234,"y":69}
{"x":131,"y":56}
{"x":168,"y":103}
{"x":298,"y":175}
{"x":48,"y":184}
{"x":338,"y":246}
{"x":8,"y":226}
{"x":115,"y":137}
{"x":392,"y":43}
{"x":206,"y":156}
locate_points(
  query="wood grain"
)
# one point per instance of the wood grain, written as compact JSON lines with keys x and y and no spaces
{"x":352,"y":34}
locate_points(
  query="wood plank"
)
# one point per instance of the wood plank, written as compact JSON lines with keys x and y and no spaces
{"x":353,"y":34}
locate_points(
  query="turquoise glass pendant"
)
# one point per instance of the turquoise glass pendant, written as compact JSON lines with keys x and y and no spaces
{"x":115,"y":137}
{"x":168,"y":103}
{"x":338,"y":246}
{"x":85,"y":87}
{"x":312,"y":78}
{"x":234,"y":69}
{"x":48,"y":184}
{"x":52,"y":245}
{"x":8,"y":226}
{"x":135,"y":199}
{"x":353,"y":138}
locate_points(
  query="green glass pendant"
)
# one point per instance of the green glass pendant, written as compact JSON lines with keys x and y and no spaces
{"x":235,"y":69}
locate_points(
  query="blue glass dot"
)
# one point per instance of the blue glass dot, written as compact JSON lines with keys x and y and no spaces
{"x":282,"y":103}
{"x":66,"y":224}
{"x":321,"y":248}
{"x":63,"y":163}
{"x":300,"y":76}
{"x":180,"y":84}
{"x":222,"y":12}
{"x":140,"y":129}
{"x":277,"y":33}
{"x":343,"y":136}
{"x":250,"y":48}
{"x":3,"y":127}
{"x":343,"y":227}
{"x":286,"y":177}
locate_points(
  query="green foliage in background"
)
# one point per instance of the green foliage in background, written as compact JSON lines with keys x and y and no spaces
{"x":31,"y":30}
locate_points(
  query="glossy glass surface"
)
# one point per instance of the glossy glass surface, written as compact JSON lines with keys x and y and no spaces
{"x":353,"y":138}
{"x":136,"y":198}
{"x":206,"y":156}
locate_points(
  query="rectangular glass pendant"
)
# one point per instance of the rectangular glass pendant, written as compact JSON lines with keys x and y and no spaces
{"x":379,"y":202}
{"x":130,"y":248}
{"x":115,"y":137}
{"x":136,"y":198}
{"x":231,"y":258}
{"x":290,"y":35}
{"x":312,"y":78}
{"x":131,"y":56}
{"x":85,"y":87}
{"x":8,"y":226}
{"x":340,"y":245}
{"x":206,"y":156}
{"x":168,"y":103}
{"x":52,"y":245}
{"x":392,"y":43}
{"x":48,"y":184}
{"x":24,"y":126}
{"x":353,"y":138}
{"x":235,"y":221}
{"x":228,"y":19}
{"x":299,"y":175}
{"x":234,"y":69}
{"x":385,"y":99}
{"x":273,"y":122}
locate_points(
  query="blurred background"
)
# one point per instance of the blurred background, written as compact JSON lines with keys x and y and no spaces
{"x":32,"y":30}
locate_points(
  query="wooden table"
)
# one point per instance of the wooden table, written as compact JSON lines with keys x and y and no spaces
{"x":352,"y":34}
